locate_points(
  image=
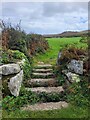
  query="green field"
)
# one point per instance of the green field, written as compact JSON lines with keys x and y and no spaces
{"x":57,"y":44}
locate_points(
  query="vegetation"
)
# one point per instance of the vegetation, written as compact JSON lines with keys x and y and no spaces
{"x":68,"y":34}
{"x":69,"y":53}
{"x":16,"y":39}
{"x":10,"y":103}
{"x":36,"y":44}
{"x":70,"y":112}
{"x":78,"y":93}
{"x":17,"y":45}
{"x":84,"y":39}
{"x":13,"y":56}
{"x":56,"y":45}
{"x":14,"y":104}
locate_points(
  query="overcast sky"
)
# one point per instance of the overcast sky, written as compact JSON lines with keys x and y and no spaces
{"x":47,"y":17}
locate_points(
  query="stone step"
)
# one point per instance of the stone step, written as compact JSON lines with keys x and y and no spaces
{"x":46,"y":106}
{"x":42,"y":75}
{"x":42,"y":82}
{"x":58,"y":89}
{"x":43,"y":66}
{"x":41,"y":62}
{"x":42,"y":70}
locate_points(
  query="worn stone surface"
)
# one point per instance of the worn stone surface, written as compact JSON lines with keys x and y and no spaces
{"x":44,"y":65}
{"x":21,"y":63}
{"x":59,"y":56}
{"x":46,"y":106}
{"x":0,"y":77}
{"x":43,"y":82}
{"x":9,"y":69}
{"x":15,"y":83}
{"x":76,"y":66}
{"x":38,"y":72}
{"x":72,"y":77}
{"x":58,"y":89}
{"x":42,"y":70}
{"x":42,"y":74}
{"x":40,"y":62}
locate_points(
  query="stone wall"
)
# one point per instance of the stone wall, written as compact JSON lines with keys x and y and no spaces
{"x":12,"y":77}
{"x":73,"y":70}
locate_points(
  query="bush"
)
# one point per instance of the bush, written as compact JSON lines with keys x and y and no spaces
{"x":27,"y":69}
{"x":78,"y":93}
{"x":16,"y":39}
{"x":18,"y":55}
{"x":84,"y":39}
{"x":36,"y":44}
{"x":7,"y":57}
{"x":26,"y":66}
{"x":70,"y":53}
{"x":67,"y":54}
{"x":10,"y":56}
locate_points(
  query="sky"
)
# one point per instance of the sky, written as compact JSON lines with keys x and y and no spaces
{"x":47,"y":17}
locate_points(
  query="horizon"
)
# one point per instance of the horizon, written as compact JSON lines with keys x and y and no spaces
{"x":47,"y":18}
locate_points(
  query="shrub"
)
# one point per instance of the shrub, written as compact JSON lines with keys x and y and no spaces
{"x":71,"y":53}
{"x":27,"y":69}
{"x":18,"y":55}
{"x":7,"y":57}
{"x":36,"y":44}
{"x":16,"y":39}
{"x":84,"y":39}
{"x":10,"y":56}
{"x":78,"y":93}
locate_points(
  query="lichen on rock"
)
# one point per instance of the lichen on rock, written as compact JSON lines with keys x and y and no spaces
{"x":15,"y":83}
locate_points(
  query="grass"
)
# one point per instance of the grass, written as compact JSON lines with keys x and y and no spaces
{"x":57,"y":44}
{"x":70,"y":112}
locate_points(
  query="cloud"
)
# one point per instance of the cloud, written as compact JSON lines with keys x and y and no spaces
{"x":47,"y":17}
{"x":51,"y":9}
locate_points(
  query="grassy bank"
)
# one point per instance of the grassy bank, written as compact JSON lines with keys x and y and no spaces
{"x":56,"y":44}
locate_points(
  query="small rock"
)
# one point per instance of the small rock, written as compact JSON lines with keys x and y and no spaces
{"x":73,"y":77}
{"x":76,"y":66}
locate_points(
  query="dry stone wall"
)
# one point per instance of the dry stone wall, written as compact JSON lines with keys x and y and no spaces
{"x":14,"y":82}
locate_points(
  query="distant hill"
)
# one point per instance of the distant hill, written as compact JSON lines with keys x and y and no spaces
{"x":67,"y":34}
